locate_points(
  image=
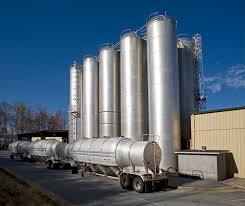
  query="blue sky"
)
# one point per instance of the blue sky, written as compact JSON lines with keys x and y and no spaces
{"x":40,"y":39}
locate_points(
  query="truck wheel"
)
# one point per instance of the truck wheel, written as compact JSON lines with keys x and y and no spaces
{"x":55,"y":166}
{"x":125,"y":181}
{"x":138,"y":185}
{"x":52,"y":166}
{"x":11,"y":157}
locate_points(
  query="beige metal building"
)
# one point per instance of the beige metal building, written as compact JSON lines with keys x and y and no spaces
{"x":222,"y":130}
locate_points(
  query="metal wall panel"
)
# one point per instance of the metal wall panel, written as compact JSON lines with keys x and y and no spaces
{"x":224,"y":130}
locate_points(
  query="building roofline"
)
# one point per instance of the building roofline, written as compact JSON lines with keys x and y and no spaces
{"x":43,"y":132}
{"x":219,"y":110}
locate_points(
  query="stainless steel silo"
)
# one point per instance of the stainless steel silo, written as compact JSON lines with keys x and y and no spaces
{"x":133,"y":76}
{"x":74,"y":110}
{"x":90,"y":123}
{"x":109,"y":92}
{"x":81,"y":100}
{"x":188,"y":86}
{"x":163,"y":87}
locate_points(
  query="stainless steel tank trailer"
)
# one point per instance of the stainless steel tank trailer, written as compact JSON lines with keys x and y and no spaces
{"x":136,"y":163}
{"x":50,"y":152}
{"x":19,"y":150}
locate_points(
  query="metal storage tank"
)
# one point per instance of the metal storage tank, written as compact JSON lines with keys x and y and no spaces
{"x":109,"y":92}
{"x":81,"y":100}
{"x":188,"y":86}
{"x":133,"y":80}
{"x":163,"y":87}
{"x":74,"y":110}
{"x":90,"y":121}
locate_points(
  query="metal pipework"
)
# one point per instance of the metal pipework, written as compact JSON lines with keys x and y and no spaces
{"x":109,"y":92}
{"x":90,"y":120}
{"x":115,"y":152}
{"x":133,"y":80}
{"x":50,"y":149}
{"x":188,"y":85}
{"x":163,"y":87}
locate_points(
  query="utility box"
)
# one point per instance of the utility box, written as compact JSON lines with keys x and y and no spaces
{"x":209,"y":164}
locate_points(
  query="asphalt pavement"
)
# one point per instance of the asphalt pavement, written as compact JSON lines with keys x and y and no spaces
{"x":94,"y":190}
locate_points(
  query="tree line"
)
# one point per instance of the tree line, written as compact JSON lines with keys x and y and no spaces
{"x":17,"y":118}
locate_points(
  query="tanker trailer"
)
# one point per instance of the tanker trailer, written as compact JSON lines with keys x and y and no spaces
{"x":135,"y":163}
{"x":19,"y":150}
{"x":49,"y":151}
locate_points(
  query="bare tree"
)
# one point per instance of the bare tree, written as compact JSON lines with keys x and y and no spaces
{"x":19,"y":118}
{"x":58,"y":120}
{"x":64,"y":119}
{"x":29,"y":121}
{"x":4,"y":117}
{"x":41,"y":119}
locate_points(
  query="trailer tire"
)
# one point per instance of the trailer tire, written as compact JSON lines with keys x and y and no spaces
{"x":55,"y":166}
{"x":52,"y":166}
{"x":125,"y":181}
{"x":138,"y":184}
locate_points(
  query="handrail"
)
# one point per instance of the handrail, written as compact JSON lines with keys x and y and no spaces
{"x":159,"y":16}
{"x":90,"y":56}
{"x":106,"y":45}
{"x":184,"y":35}
{"x":152,"y":15}
{"x":129,"y":32}
{"x":156,"y":15}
